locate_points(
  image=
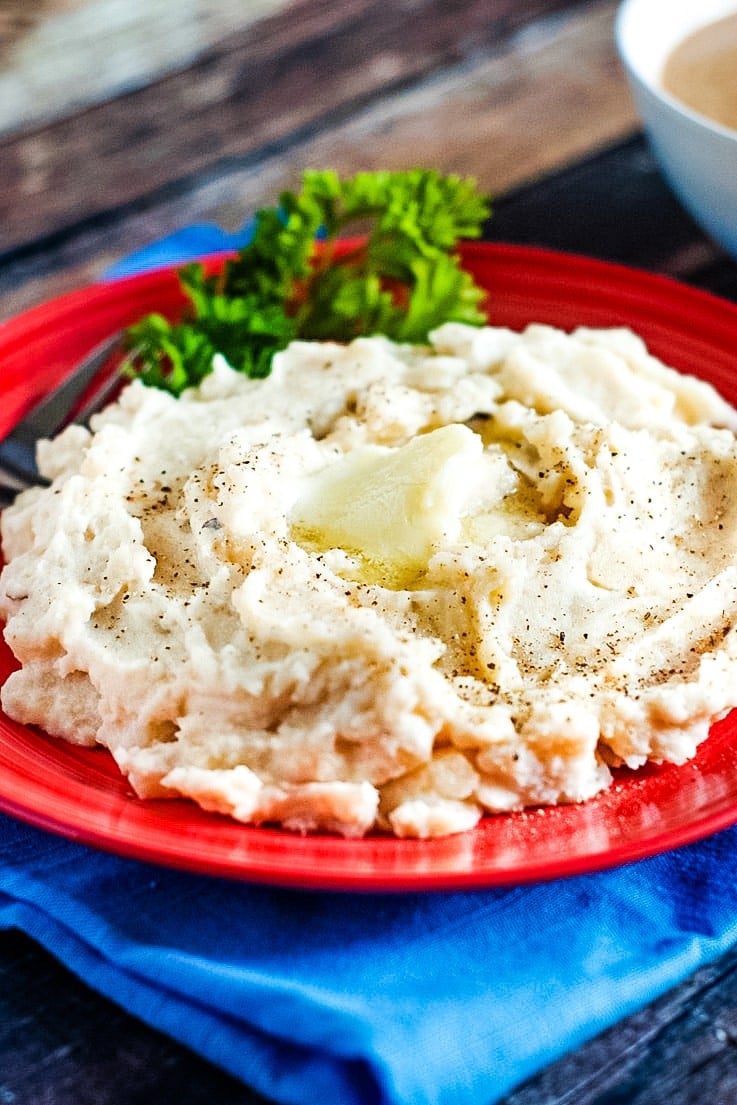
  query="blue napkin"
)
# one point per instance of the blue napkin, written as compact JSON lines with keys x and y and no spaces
{"x":437,"y":999}
{"x":181,"y":246}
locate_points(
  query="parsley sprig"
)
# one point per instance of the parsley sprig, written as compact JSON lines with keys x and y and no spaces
{"x":402,"y":279}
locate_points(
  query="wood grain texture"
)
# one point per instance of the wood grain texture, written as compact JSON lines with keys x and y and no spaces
{"x":506,"y":106}
{"x":63,"y":1044}
{"x":615,"y":205}
{"x":58,"y":56}
{"x":291,"y":81}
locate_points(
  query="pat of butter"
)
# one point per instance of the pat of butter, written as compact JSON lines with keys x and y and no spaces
{"x":391,"y":507}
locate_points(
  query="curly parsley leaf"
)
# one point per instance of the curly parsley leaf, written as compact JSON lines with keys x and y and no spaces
{"x":402,"y":280}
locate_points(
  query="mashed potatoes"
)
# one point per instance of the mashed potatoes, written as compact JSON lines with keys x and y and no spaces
{"x":388,"y":586}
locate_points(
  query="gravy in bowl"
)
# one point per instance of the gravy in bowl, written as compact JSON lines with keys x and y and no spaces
{"x":701,"y":71}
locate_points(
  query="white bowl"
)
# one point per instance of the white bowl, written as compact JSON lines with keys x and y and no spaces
{"x":698,"y":156}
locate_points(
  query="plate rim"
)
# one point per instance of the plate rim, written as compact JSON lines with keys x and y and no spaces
{"x":636,"y":283}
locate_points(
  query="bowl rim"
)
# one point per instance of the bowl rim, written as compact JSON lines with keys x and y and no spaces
{"x":649,"y":80}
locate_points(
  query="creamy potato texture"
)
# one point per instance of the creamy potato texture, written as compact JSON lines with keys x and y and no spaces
{"x":388,"y":586}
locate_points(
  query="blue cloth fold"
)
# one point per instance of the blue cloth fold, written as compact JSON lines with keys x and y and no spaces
{"x":437,"y":999}
{"x":184,"y":245}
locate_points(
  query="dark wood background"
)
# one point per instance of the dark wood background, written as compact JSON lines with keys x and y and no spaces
{"x":495,"y":89}
{"x":530,"y":99}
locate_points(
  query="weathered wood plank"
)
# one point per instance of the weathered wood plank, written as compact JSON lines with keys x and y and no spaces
{"x":503,"y":115}
{"x":63,"y":1044}
{"x":57,"y":56}
{"x":301,"y":75}
{"x":616,"y":206}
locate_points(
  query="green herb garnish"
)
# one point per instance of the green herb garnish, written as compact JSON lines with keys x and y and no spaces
{"x":402,"y":280}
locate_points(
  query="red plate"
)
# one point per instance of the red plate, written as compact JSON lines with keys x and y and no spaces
{"x":80,"y":794}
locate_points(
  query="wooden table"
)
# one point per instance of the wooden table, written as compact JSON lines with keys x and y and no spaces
{"x":213,"y":114}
